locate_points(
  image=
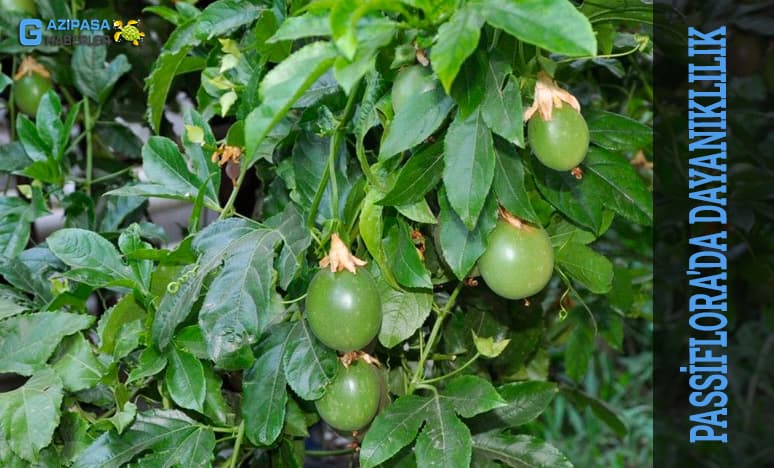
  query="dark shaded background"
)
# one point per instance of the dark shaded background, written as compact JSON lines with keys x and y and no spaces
{"x":750,"y":88}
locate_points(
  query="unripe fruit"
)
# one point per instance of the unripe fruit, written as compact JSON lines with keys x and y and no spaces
{"x":343,"y":309}
{"x":518,"y":262}
{"x":28,"y":90}
{"x":562,"y":142}
{"x":352,"y":398}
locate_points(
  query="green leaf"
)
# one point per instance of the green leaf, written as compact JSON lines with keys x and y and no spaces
{"x":577,"y":353}
{"x":471,"y":395}
{"x":50,"y":127}
{"x":29,"y":414}
{"x":525,"y":401}
{"x":223,"y":17}
{"x":403,"y":312}
{"x":185,"y":379}
{"x":159,"y":81}
{"x":295,"y":420}
{"x":191,"y":340}
{"x":623,"y":189}
{"x":616,"y":132}
{"x":95,"y":259}
{"x":303,"y":26}
{"x":93,"y":75}
{"x":586,"y":266}
{"x":236,"y":305}
{"x":15,"y":229}
{"x":562,"y":231}
{"x":150,"y":363}
{"x":469,"y":164}
{"x":444,"y":441}
{"x":168,"y":175}
{"x":309,"y":365}
{"x":469,"y":88}
{"x":12,"y":302}
{"x":283,"y":86}
{"x":488,"y":347}
{"x":373,"y":34}
{"x":419,"y":212}
{"x":521,"y":451}
{"x":28,"y":135}
{"x":554,"y":25}
{"x":509,"y":184}
{"x":206,"y":171}
{"x":462,"y":248}
{"x":76,"y":364}
{"x":403,"y":257}
{"x":5,"y":81}
{"x":420,"y":175}
{"x":295,"y":240}
{"x":215,"y":406}
{"x":74,"y":431}
{"x":394,"y":428}
{"x":415,"y":122}
{"x":502,"y":108}
{"x":265,"y":393}
{"x":371,"y":226}
{"x":126,"y":310}
{"x":213,"y":242}
{"x":170,"y":435}
{"x":601,"y":409}
{"x":124,"y":417}
{"x":27,"y":341}
{"x":456,"y":40}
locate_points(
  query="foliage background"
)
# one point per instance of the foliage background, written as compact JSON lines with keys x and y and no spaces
{"x":595,"y":390}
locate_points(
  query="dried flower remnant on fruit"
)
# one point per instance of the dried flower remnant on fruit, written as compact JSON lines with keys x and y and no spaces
{"x":547,"y":96}
{"x":577,"y":173}
{"x":30,"y":65}
{"x":510,"y":219}
{"x":348,"y":358}
{"x":228,"y":155}
{"x":639,"y":161}
{"x":340,"y":258}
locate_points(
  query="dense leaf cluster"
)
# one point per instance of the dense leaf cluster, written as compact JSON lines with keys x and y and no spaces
{"x":200,"y":352}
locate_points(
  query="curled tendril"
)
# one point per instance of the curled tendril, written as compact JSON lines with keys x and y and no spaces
{"x":562,"y":308}
{"x":174,"y":286}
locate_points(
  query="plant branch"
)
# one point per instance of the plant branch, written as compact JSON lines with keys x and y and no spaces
{"x":238,"y":445}
{"x":419,"y":372}
{"x":455,"y":371}
{"x":329,"y":453}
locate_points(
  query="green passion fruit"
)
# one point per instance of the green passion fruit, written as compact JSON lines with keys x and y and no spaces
{"x":28,"y":90}
{"x":409,"y":82}
{"x":344,"y":309}
{"x":562,"y":142}
{"x":352,"y":399}
{"x":518,"y":261}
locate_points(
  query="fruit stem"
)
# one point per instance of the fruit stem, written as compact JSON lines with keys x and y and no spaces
{"x":419,"y":372}
{"x":232,"y":198}
{"x":454,"y":372}
{"x":237,"y":445}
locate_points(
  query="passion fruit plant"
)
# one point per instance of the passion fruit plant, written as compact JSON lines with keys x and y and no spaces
{"x":394,"y":253}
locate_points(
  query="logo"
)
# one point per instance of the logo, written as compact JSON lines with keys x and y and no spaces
{"x":128,"y":32}
{"x":73,"y":31}
{"x":30,"y":32}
